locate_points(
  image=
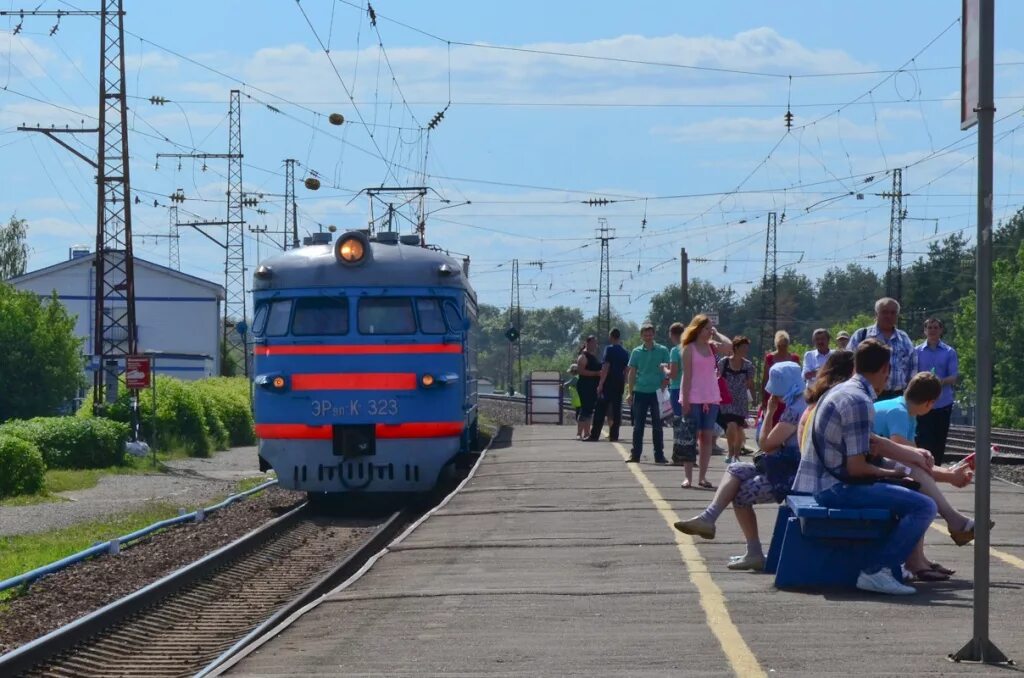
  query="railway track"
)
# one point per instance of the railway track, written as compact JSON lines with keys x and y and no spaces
{"x":180,"y":624}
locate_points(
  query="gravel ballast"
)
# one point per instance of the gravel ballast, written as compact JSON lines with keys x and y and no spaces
{"x":62,"y":597}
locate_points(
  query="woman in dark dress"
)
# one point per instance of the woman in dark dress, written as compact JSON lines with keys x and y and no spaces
{"x":589,"y":370}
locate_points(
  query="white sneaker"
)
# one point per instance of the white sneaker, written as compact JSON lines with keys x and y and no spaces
{"x":883,"y":582}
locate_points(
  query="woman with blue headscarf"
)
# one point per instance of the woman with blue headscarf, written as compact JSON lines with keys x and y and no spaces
{"x":747,"y":484}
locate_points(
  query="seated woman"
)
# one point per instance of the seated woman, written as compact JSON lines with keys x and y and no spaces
{"x":745,"y":484}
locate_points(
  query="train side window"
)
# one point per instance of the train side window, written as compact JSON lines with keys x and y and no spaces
{"x":278,"y":316}
{"x":320,"y":316}
{"x":386,"y":315}
{"x":259,"y":321}
{"x":431,"y":319}
{"x":451,"y":314}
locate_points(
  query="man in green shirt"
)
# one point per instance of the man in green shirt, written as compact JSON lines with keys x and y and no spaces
{"x":647,"y":374}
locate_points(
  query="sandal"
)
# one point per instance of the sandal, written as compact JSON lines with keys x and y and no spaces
{"x":686,"y":485}
{"x":930,"y":574}
{"x":944,"y":570}
{"x":706,"y":485}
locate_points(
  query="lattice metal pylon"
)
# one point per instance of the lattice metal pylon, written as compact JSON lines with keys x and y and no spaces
{"x":173,"y":250}
{"x":291,"y":220}
{"x":770,"y":283}
{"x":894,"y":268}
{"x":604,"y":300}
{"x":234,"y":261}
{"x":116,"y":333}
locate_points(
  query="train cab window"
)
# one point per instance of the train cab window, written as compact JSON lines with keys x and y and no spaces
{"x":320,"y":316}
{"x":277,"y":317}
{"x":386,"y":315}
{"x":451,"y":314}
{"x":431,"y":318}
{"x":259,"y":321}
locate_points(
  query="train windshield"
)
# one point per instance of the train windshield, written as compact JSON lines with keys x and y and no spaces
{"x":386,"y":315}
{"x":320,"y":316}
{"x":431,"y":319}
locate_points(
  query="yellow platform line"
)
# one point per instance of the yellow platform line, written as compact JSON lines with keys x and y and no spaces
{"x":1008,"y":558}
{"x":739,"y":654}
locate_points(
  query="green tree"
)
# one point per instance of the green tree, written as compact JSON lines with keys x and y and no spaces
{"x":13,"y":250}
{"x":42,"y":365}
{"x":666,"y":306}
{"x":844,"y":292}
{"x":1006,"y":332}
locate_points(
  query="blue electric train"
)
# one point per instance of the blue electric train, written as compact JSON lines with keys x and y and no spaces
{"x":365,"y":364}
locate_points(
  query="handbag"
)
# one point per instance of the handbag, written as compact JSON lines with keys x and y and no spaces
{"x":724,"y":394}
{"x":779,"y":468}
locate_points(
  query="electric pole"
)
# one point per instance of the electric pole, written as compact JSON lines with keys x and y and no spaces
{"x":684,"y":282}
{"x":513,"y":333}
{"x":604,"y":301}
{"x":173,"y":250}
{"x":770,"y":283}
{"x":894,"y":269}
{"x":114,"y":303}
{"x":234,"y":241}
{"x":291,"y":221}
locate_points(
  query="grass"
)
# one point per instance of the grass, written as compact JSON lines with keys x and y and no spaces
{"x":22,"y":553}
{"x":66,"y":480}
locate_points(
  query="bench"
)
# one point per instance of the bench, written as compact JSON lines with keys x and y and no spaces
{"x":818,"y":547}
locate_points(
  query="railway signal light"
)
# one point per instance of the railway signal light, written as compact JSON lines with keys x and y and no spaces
{"x":512,"y":334}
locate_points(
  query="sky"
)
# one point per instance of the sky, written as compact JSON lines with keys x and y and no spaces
{"x":671,"y":112}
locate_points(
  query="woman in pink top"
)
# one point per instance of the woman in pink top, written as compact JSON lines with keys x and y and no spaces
{"x":699,"y":393}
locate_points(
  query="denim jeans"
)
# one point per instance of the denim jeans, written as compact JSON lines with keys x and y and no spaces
{"x":642,"y":403}
{"x":914,"y":510}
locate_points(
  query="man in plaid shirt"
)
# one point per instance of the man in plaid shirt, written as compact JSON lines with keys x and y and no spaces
{"x":834,"y":466}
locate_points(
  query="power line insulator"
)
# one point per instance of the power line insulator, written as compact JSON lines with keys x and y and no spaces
{"x":788,"y":117}
{"x":597,"y":202}
{"x":158,"y":101}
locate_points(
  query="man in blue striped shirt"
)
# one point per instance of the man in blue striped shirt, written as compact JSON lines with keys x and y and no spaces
{"x":903,"y":358}
{"x":834,"y":467}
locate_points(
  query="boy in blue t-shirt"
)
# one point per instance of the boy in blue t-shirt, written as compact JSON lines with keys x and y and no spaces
{"x":896,"y":419}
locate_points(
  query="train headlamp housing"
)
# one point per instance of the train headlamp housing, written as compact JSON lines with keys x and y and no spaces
{"x":272,"y":382}
{"x":352,"y":248}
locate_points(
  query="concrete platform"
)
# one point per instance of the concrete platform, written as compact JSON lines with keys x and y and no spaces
{"x":559,"y":559}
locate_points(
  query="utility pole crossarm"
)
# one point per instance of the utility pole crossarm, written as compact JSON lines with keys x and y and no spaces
{"x":53,"y":131}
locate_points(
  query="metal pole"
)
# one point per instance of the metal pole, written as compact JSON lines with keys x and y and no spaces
{"x":684,"y":282}
{"x":152,"y":372}
{"x":980,"y":648}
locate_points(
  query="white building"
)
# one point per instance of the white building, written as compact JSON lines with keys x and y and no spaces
{"x":177,"y":315}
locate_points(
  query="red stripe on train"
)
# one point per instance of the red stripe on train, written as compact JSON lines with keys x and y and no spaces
{"x":354,"y":381}
{"x":426,"y":429}
{"x":357,"y":349}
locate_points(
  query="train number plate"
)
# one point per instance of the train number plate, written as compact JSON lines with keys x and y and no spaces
{"x":375,"y":407}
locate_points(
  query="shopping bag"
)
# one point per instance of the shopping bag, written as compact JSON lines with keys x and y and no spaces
{"x":665,"y":403}
{"x":684,"y":440}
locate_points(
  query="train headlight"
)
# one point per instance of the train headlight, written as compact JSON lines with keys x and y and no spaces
{"x":351,"y":248}
{"x":278,"y":382}
{"x":427,"y":380}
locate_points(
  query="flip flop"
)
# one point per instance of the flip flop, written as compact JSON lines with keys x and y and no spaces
{"x":706,"y":485}
{"x":686,"y":485}
{"x":930,"y":574}
{"x":944,"y":570}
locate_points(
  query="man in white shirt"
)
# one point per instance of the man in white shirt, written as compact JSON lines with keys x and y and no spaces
{"x":816,"y":357}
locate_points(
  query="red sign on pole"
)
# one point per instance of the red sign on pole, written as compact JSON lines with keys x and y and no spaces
{"x":969,"y":64}
{"x":137,"y":371}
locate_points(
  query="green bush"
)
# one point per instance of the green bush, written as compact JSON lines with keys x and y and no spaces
{"x":21,"y":467}
{"x":199,"y":416}
{"x":73,"y":442}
